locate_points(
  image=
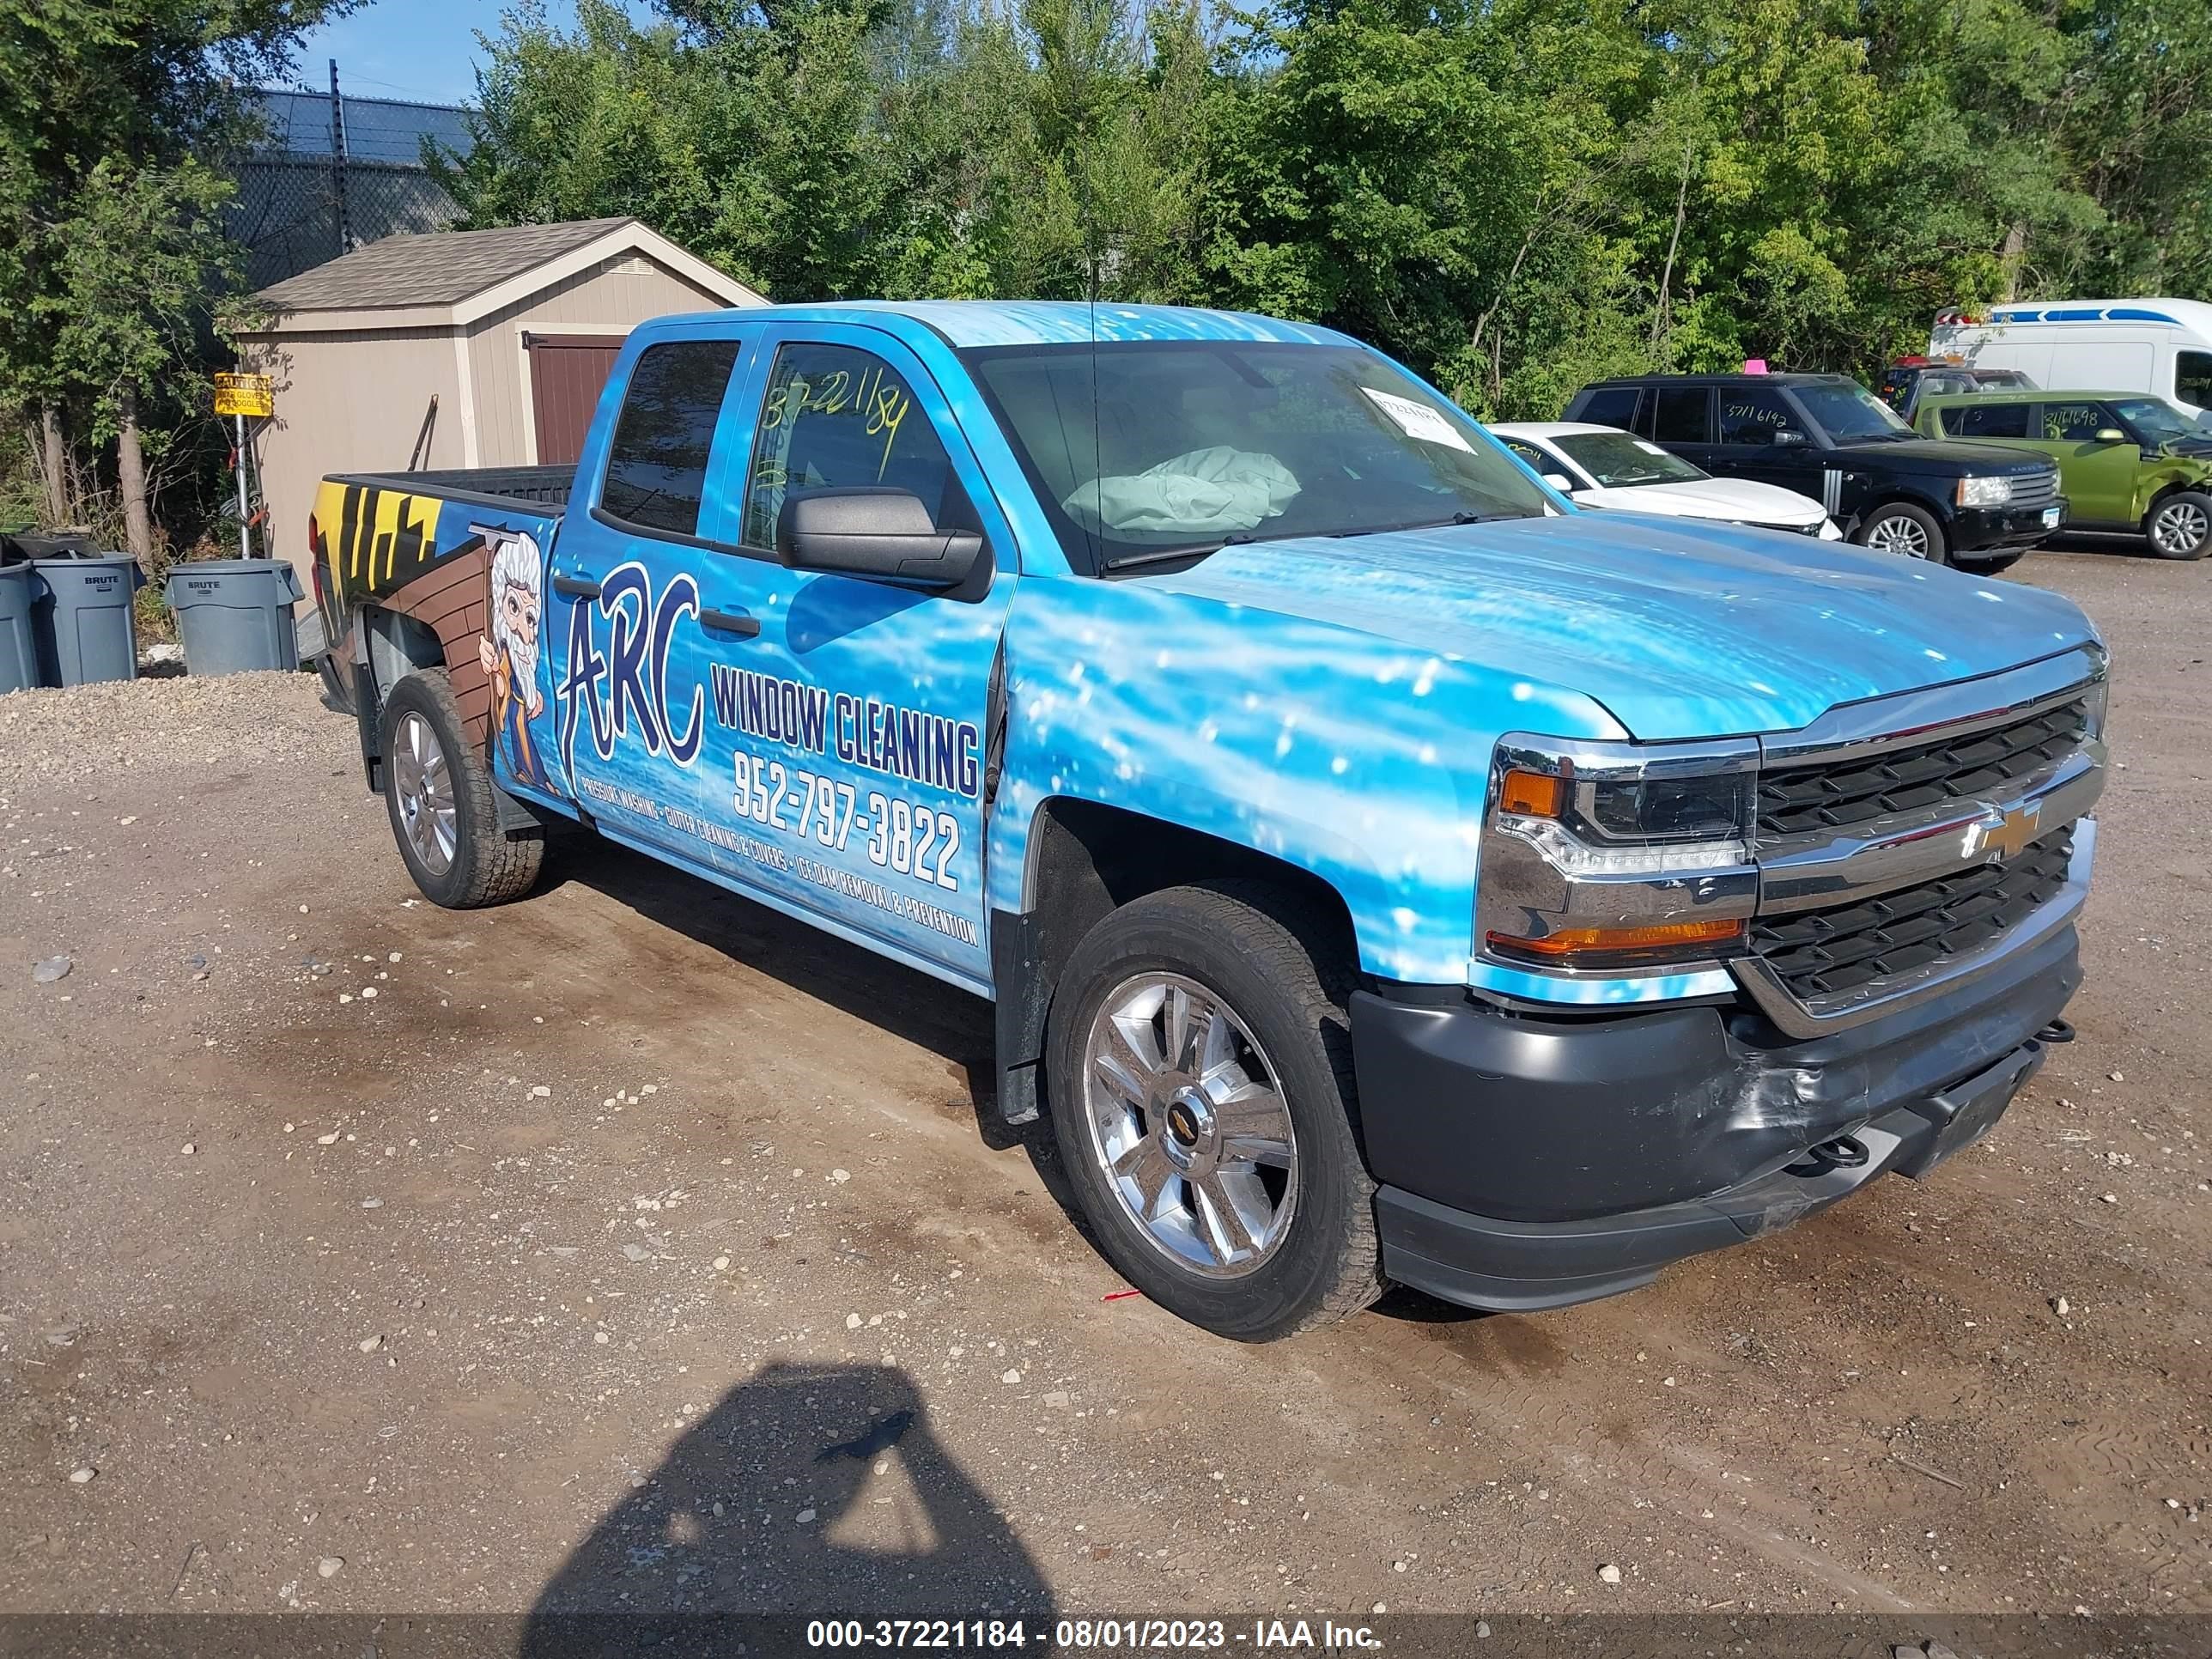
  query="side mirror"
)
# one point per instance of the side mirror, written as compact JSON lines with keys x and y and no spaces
{"x":1784,"y":438}
{"x":1561,"y":482}
{"x":875,"y":531}
{"x":2110,"y":434}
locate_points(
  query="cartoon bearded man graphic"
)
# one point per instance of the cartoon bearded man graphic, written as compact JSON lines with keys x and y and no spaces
{"x":509,"y":654}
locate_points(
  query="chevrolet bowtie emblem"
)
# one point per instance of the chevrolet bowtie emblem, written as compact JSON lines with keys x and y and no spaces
{"x":2002,"y":837}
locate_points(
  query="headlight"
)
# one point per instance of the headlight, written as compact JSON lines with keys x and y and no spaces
{"x":1607,"y":855}
{"x":1984,"y":492}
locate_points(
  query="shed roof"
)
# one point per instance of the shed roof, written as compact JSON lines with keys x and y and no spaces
{"x":454,"y":277}
{"x":440,"y":269}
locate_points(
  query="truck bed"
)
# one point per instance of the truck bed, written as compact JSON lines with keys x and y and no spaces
{"x":545,"y":488}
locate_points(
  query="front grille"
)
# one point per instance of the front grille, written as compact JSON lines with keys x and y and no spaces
{"x":1988,"y":765}
{"x":1824,"y":953}
{"x":2035,"y":489}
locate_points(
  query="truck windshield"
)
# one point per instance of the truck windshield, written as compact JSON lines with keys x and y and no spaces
{"x":1618,"y":461}
{"x":1851,"y":414}
{"x":1149,"y":452}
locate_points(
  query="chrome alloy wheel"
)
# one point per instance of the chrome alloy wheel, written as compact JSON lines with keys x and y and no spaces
{"x":1901,"y":535}
{"x":2179,"y":528}
{"x":1187,"y":1125}
{"x":423,"y":784}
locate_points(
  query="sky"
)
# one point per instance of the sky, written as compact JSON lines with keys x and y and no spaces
{"x":419,"y":49}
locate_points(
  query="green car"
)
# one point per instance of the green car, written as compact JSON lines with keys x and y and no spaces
{"x":2126,"y":462}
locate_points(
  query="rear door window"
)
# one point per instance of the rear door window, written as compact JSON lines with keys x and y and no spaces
{"x":657,"y":460}
{"x":1612,"y":406}
{"x":1684,"y":415}
{"x":2074,"y":423}
{"x":1751,"y":416}
{"x":1987,"y":421}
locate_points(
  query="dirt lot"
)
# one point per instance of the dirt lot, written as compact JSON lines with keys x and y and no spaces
{"x":354,"y":1255}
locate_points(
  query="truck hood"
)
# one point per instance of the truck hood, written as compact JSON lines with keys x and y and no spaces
{"x":1702,"y":631}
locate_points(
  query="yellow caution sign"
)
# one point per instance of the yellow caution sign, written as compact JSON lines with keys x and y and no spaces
{"x":246,"y":394}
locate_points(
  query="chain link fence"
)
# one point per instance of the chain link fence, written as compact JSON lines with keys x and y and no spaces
{"x":301,"y":204}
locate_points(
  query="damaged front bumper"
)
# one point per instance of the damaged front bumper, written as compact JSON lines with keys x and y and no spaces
{"x":1530,"y":1162}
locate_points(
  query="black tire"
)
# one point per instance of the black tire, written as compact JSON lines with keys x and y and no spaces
{"x":1991,"y":564}
{"x":2167,"y":526}
{"x":483,"y":865}
{"x":1902,"y":522}
{"x":1272,"y":961}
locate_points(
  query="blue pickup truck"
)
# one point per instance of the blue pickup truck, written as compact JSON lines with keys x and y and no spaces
{"x":1382,"y":871}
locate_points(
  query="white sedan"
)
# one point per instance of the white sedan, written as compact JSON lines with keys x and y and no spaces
{"x":1604,"y":466}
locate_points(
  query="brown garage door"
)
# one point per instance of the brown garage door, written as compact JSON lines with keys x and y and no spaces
{"x":568,"y":372}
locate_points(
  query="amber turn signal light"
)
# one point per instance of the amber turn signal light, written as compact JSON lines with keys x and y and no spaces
{"x":1532,"y":795}
{"x":1620,"y":944}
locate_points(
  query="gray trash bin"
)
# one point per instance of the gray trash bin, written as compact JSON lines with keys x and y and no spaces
{"x":19,"y":646}
{"x":235,"y":614}
{"x":83,"y":618}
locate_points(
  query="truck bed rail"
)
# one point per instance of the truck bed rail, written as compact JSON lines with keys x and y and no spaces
{"x":545,"y":488}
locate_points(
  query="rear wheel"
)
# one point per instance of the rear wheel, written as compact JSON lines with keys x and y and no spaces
{"x":2179,"y":525}
{"x":438,"y":793}
{"x":1201,"y":1092}
{"x":1904,"y":530}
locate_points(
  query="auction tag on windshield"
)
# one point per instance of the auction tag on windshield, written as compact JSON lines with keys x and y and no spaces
{"x":1417,"y":420}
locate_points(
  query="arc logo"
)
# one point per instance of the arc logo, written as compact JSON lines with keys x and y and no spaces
{"x":623,"y":690}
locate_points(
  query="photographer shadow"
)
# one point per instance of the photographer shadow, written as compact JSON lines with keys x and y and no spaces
{"x":810,"y":1490}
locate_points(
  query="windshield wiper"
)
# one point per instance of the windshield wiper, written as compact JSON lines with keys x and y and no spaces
{"x":1188,"y":550}
{"x":1459,"y":518}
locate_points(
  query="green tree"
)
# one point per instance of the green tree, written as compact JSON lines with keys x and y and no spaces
{"x":112,"y":113}
{"x":127,"y":317}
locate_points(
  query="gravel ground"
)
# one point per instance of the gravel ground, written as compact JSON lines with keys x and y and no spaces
{"x":632,"y":1247}
{"x":92,"y":734}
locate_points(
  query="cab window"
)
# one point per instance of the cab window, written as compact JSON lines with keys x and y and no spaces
{"x":657,"y":459}
{"x":1755,"y":417}
{"x":2074,"y":423}
{"x":1987,"y":421}
{"x":2192,"y":378}
{"x":837,"y":416}
{"x":1684,"y":415}
{"x":1537,"y":459}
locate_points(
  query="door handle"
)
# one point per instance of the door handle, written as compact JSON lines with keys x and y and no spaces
{"x":577,"y":588}
{"x":739,"y":622}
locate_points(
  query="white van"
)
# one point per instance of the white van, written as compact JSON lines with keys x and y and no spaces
{"x":2163,"y":347}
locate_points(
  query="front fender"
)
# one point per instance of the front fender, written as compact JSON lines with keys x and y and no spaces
{"x":1360,"y":760}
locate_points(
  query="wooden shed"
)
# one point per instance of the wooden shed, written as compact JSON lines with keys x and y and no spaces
{"x":512,"y":331}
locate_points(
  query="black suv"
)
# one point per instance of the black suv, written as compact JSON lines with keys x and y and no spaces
{"x":1824,"y":436}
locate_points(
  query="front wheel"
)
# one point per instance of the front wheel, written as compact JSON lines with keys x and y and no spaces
{"x":2180,"y":525}
{"x":438,"y":793}
{"x":1199,"y":1079}
{"x":1905,"y":530}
